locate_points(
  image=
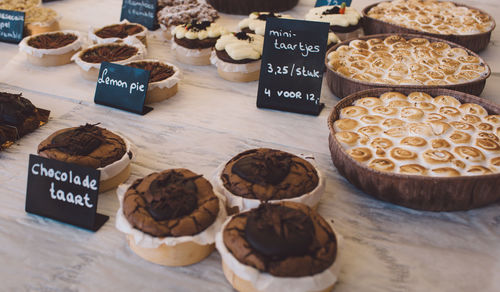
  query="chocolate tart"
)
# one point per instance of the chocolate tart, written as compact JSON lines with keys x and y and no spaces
{"x":269,"y":175}
{"x":91,"y":146}
{"x":415,"y":191}
{"x":279,"y":247}
{"x":163,"y":79}
{"x":118,"y":32}
{"x":90,"y":59}
{"x":474,"y":42}
{"x":194,"y":41}
{"x":18,"y":117}
{"x":244,"y":7}
{"x":234,"y":65}
{"x":51,"y":49}
{"x":341,"y":86}
{"x":171,"y":217}
{"x":181,"y":12}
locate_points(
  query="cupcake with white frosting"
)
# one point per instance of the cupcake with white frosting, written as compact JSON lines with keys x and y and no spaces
{"x":238,"y":56}
{"x":194,"y":41}
{"x":256,"y":22}
{"x":345,"y":22}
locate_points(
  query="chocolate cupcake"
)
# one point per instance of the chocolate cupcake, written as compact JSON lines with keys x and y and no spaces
{"x":163,"y":79}
{"x":91,"y":58}
{"x":279,"y":247}
{"x":194,"y":41}
{"x":247,"y":6}
{"x":256,"y":22}
{"x":94,"y":147}
{"x":181,"y":12}
{"x":18,"y":117}
{"x":345,"y":22}
{"x":118,"y":32}
{"x":170,"y":217}
{"x":268,"y":175}
{"x":238,"y":56}
{"x":51,"y":49}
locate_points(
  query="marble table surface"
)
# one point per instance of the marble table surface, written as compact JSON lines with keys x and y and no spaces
{"x":386,"y":247}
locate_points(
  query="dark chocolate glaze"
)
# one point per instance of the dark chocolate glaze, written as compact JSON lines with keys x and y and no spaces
{"x":278,"y":231}
{"x":264,"y":167}
{"x":79,"y":141}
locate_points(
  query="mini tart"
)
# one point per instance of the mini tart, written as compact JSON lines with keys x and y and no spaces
{"x":184,"y":12}
{"x":118,"y":32}
{"x":244,"y":7}
{"x":94,"y":147}
{"x":238,"y":56}
{"x":193,"y":42}
{"x":41,"y":20}
{"x":345,"y":26}
{"x":279,"y":247}
{"x":91,"y":58}
{"x":170,"y":217}
{"x":256,"y":22}
{"x":271,"y":175}
{"x":163,"y":79}
{"x":52,"y":48}
{"x":18,"y":117}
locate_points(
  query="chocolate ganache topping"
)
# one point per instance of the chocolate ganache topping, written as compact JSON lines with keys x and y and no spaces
{"x":278,"y":231}
{"x":119,"y":31}
{"x":171,"y":196}
{"x":265,"y":16}
{"x":158,"y":70}
{"x":264,"y":167}
{"x":109,"y":53}
{"x":15,"y":109}
{"x":79,"y":141}
{"x":52,"y":40}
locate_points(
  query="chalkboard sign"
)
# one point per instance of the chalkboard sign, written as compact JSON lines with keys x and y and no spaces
{"x":332,"y":2}
{"x":122,"y":87}
{"x":64,"y":191}
{"x":292,"y":65}
{"x":11,"y":26}
{"x":140,"y":11}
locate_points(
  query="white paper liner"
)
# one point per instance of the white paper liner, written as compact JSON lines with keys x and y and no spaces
{"x":116,"y":167}
{"x":132,"y":42}
{"x":24,"y":47}
{"x":230,"y":67}
{"x":147,"y":241}
{"x":310,"y":199}
{"x":98,"y":40}
{"x":265,"y":282}
{"x":166,"y":83}
{"x":191,"y":52}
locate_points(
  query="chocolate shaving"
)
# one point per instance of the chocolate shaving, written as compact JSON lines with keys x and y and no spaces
{"x":333,"y":10}
{"x":109,"y":53}
{"x":196,"y":25}
{"x":80,"y":141}
{"x":52,"y":40}
{"x":119,"y":31}
{"x":265,"y":16}
{"x":264,"y":167}
{"x":243,"y":36}
{"x":158,"y":70}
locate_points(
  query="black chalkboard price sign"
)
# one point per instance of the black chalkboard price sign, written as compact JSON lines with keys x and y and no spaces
{"x":122,"y":87}
{"x":11,"y":26}
{"x":292,"y":67}
{"x":64,"y":191}
{"x":140,"y":11}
